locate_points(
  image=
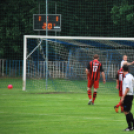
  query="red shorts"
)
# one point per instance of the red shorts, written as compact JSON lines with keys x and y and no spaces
{"x":91,"y":83}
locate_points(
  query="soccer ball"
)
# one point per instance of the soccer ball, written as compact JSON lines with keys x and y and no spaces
{"x":10,"y":86}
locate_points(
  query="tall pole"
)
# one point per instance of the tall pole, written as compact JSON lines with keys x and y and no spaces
{"x":55,"y":31}
{"x":55,"y":13}
{"x":39,"y":13}
{"x":46,"y":48}
{"x":38,"y":49}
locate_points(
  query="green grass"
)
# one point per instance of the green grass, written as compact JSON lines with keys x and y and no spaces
{"x":64,"y":113}
{"x":58,"y":114}
{"x":56,"y":85}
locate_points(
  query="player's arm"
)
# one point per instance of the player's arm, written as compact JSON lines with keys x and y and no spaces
{"x":117,"y":81}
{"x":103,"y":74}
{"x":87,"y":69}
{"x":117,"y":84}
{"x":133,"y":82}
{"x":126,"y":91}
{"x":130,"y":63}
{"x":103,"y":77}
{"x":127,"y":87}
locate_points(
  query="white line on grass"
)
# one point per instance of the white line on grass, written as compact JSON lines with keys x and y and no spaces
{"x":87,"y":118}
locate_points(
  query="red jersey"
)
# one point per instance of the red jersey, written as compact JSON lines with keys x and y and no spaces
{"x":94,"y":67}
{"x":120,"y":77}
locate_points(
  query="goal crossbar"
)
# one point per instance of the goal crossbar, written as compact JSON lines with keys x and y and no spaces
{"x":77,"y":37}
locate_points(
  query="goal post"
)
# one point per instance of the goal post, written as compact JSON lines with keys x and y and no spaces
{"x":67,"y":59}
{"x":24,"y":62}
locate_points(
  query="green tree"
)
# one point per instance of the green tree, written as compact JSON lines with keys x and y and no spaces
{"x":16,"y":21}
{"x":122,"y":16}
{"x":79,"y":18}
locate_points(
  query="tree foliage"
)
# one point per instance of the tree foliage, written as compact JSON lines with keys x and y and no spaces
{"x":123,"y":14}
{"x":79,"y":18}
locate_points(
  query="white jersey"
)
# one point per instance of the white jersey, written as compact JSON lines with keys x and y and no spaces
{"x":128,"y":82}
{"x":122,"y":62}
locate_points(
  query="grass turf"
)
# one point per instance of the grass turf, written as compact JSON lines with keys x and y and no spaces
{"x":56,"y":85}
{"x":26,"y":113}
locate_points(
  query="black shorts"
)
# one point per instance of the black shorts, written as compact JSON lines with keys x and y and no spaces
{"x":127,"y":104}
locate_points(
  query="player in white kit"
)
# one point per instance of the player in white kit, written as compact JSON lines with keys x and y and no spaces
{"x":124,"y":58}
{"x":127,"y":98}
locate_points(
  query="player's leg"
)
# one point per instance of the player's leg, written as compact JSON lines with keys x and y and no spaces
{"x":129,"y":116}
{"x":96,"y":86}
{"x":89,"y":92}
{"x":120,"y":104}
{"x":122,"y":108}
{"x":94,"y":95}
{"x":116,"y":107}
{"x":129,"y":119}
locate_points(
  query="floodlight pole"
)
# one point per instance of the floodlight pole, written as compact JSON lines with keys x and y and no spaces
{"x":55,"y":31}
{"x":55,"y":13}
{"x":39,"y":13}
{"x":46,"y":47}
{"x":38,"y":49}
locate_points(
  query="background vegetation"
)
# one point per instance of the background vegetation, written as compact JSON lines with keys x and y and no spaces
{"x":79,"y":18}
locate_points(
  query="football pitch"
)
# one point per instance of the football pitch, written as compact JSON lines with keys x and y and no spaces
{"x":58,"y":113}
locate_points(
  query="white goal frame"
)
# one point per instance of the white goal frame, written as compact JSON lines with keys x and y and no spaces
{"x":25,"y":37}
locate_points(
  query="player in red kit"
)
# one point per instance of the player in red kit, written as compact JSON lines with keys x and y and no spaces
{"x":119,"y":81}
{"x":93,"y":70}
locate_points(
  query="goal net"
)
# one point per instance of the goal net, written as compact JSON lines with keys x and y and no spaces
{"x":57,"y":64}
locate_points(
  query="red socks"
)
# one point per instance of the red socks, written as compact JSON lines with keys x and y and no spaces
{"x":94,"y":96}
{"x":89,"y":94}
{"x":119,"y":104}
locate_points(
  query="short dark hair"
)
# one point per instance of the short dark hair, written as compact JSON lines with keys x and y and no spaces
{"x":125,"y":68}
{"x":96,"y":56}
